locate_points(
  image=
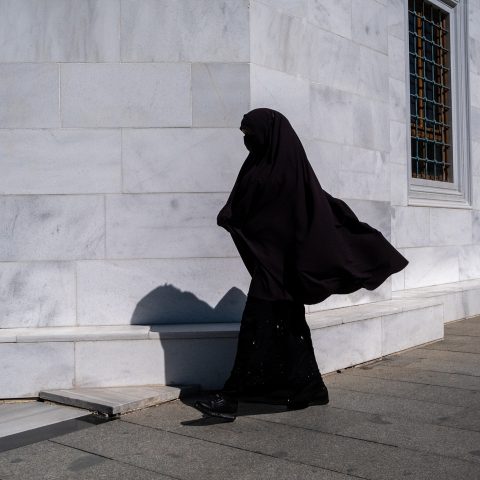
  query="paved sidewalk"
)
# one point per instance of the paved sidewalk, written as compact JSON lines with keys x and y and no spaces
{"x":415,"y":414}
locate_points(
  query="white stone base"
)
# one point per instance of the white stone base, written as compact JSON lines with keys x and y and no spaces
{"x":35,"y":359}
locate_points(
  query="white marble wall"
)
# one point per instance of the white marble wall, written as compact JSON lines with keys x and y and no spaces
{"x":119,"y":142}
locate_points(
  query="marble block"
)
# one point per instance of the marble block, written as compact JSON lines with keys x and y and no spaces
{"x":332,"y":116}
{"x":398,"y":185}
{"x":363,"y":160}
{"x":279,"y":41}
{"x":371,"y":123}
{"x":184,"y":290}
{"x":335,"y":61}
{"x":298,"y":8}
{"x":332,"y":15}
{"x":396,"y":18}
{"x":60,"y":161}
{"x":408,"y":328}
{"x":450,"y":226}
{"x":370,"y":25}
{"x":474,"y":89}
{"x":430,"y":265}
{"x":475,"y":123}
{"x":410,"y":226}
{"x":181,"y":159}
{"x":28,"y":94}
{"x":126,"y":95}
{"x":186,"y":31}
{"x":59,"y":31}
{"x":141,"y":362}
{"x":166,"y":225}
{"x":398,"y":142}
{"x":397,"y":58}
{"x":372,"y":77}
{"x":341,"y":346}
{"x":453,"y":306}
{"x":283,"y":92}
{"x":52,"y":227}
{"x":220,"y":94}
{"x":28,"y":367}
{"x":472,"y":302}
{"x":37,"y":294}
{"x":475,"y":155}
{"x":397,"y":100}
{"x":476,"y":226}
{"x":474,"y":19}
{"x":474,"y":54}
{"x":345,"y":65}
{"x":369,"y":186}
{"x":469,"y":261}
{"x":476,"y":192}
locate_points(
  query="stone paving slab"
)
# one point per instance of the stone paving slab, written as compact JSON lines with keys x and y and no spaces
{"x":117,"y":400}
{"x":428,"y":377}
{"x":306,"y":444}
{"x":386,"y":429}
{"x":405,"y":389}
{"x":457,"y":343}
{"x":411,"y":409}
{"x":53,"y":461}
{"x":437,"y":361}
{"x":16,"y":417}
{"x":469,"y":327}
{"x":187,"y":457}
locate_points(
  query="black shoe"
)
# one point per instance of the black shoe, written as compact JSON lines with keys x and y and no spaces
{"x":315,"y":393}
{"x":219,"y":406}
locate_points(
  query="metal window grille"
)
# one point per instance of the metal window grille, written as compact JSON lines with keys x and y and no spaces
{"x":430,"y":91}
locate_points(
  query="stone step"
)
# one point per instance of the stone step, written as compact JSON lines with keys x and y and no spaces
{"x":114,"y":401}
{"x":18,"y":417}
{"x":192,"y":353}
{"x":320,"y":319}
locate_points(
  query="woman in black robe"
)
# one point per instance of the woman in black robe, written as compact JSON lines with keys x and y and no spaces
{"x":300,"y":246}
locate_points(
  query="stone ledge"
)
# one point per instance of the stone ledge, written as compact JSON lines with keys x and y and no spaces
{"x":117,"y":332}
{"x":321,"y":319}
{"x":441,"y":289}
{"x":460,"y":299}
{"x":355,"y":313}
{"x":118,"y":400}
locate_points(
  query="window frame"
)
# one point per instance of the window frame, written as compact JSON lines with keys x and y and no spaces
{"x":426,"y":192}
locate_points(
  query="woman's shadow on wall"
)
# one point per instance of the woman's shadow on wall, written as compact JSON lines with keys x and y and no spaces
{"x":194,"y":348}
{"x":169,"y":305}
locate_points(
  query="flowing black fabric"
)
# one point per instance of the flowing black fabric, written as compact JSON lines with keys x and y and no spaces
{"x":298,"y":242}
{"x":275,"y":356}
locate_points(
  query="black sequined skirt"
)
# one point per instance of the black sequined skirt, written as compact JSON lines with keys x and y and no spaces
{"x":275,"y":356}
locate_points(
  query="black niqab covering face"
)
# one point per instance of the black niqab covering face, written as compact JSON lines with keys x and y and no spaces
{"x":296,"y":240}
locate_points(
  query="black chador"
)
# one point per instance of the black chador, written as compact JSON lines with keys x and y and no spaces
{"x":300,"y":245}
{"x":297,"y":241}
